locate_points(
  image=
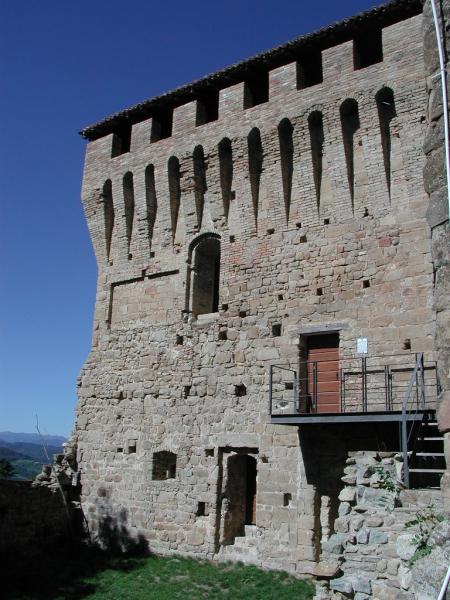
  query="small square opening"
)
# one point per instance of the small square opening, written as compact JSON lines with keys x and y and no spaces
{"x":223,"y":334}
{"x":201,"y":509}
{"x":319,"y":292}
{"x":366,"y":283}
{"x":240,"y":390}
{"x":179,"y":340}
{"x":287,"y":499}
{"x":407,"y":344}
{"x":242,"y":314}
{"x":276,"y":330}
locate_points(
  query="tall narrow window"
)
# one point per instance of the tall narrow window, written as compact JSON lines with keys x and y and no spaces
{"x":350,"y":124}
{"x":199,"y":183}
{"x":128,"y":197}
{"x":173,"y":168}
{"x":309,"y":69}
{"x":255,"y":167}
{"x":256,"y":89}
{"x":315,"y":123}
{"x":108,"y":211}
{"x":150,"y":200}
{"x":386,"y":113}
{"x":205,"y":275}
{"x":161,"y":125}
{"x":207,"y":108}
{"x":285,"y":140}
{"x":121,"y":141}
{"x":226,"y":173}
{"x":367,"y":48}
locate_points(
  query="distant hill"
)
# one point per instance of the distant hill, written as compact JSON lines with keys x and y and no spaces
{"x":33,"y":451}
{"x":25,"y":452}
{"x":32,"y":438}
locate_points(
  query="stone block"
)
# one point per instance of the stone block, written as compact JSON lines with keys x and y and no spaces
{"x":406,"y":546}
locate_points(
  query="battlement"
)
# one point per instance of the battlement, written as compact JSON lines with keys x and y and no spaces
{"x":304,"y":153}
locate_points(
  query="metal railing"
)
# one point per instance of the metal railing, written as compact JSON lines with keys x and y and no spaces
{"x":354,"y":385}
{"x":413,"y":401}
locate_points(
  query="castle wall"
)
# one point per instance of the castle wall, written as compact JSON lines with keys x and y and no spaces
{"x":322,"y":227}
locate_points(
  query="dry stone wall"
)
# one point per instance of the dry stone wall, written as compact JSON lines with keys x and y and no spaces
{"x":322,"y":227}
{"x":375,"y":534}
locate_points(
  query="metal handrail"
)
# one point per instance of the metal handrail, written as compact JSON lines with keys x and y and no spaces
{"x":366,"y":384}
{"x":406,"y":401}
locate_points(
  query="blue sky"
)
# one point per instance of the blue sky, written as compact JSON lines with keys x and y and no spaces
{"x":65,"y":65}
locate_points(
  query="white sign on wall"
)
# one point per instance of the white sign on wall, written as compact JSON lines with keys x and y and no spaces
{"x":361,"y":345}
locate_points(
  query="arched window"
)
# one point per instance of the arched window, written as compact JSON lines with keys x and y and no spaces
{"x":204,"y":275}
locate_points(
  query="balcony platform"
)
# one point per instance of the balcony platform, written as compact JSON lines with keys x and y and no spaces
{"x":361,"y":417}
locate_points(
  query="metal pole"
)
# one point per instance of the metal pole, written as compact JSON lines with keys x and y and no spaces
{"x":386,"y":386}
{"x":315,"y":386}
{"x":444,"y":585}
{"x":270,"y":389}
{"x":405,"y":451}
{"x":443,"y":72}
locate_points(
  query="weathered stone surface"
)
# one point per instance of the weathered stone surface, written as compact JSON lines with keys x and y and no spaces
{"x":348,"y":494}
{"x":343,"y":584}
{"x":326,"y":569}
{"x":377,"y":536}
{"x":406,"y":546}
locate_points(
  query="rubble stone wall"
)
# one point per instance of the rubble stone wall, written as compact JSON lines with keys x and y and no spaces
{"x":374,"y":539}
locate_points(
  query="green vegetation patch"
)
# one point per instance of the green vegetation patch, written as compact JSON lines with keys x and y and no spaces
{"x":96,"y":576}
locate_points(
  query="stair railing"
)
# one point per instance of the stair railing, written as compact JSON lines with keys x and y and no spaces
{"x":417,"y":380}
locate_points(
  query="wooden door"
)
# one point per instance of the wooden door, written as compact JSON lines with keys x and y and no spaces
{"x":323,"y":372}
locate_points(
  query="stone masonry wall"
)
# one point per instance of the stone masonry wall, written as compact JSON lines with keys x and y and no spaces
{"x":373,"y":543}
{"x":344,"y":248}
{"x":437,"y":215}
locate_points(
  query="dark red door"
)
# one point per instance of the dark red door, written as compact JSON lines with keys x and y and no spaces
{"x":323,"y":372}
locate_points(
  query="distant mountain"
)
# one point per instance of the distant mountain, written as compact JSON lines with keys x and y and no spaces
{"x":26,"y":453}
{"x":32,"y":438}
{"x":32,"y":451}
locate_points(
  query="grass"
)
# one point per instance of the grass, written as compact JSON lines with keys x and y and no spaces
{"x":72,"y":574}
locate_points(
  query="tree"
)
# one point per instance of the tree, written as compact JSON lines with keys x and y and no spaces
{"x":6,"y":469}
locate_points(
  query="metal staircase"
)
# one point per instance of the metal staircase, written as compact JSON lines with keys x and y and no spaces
{"x":422,"y":444}
{"x":426,"y":461}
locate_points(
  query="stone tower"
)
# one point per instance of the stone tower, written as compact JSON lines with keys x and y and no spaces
{"x":261,"y":237}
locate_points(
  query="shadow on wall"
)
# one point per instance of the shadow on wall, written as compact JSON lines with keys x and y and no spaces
{"x":114,"y":536}
{"x":72,"y":570}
